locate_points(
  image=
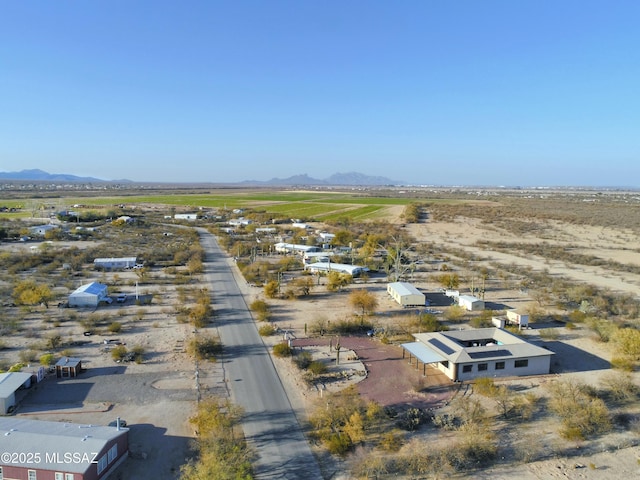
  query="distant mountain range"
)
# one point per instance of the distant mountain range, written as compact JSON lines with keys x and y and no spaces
{"x":343,"y":179}
{"x":350,"y":178}
{"x":41,"y":175}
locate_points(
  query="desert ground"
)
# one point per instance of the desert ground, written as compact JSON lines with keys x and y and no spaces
{"x":157,"y":396}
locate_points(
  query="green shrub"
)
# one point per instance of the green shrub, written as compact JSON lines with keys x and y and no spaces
{"x":282,"y":350}
{"x":266,"y":330}
{"x":115,"y":327}
{"x":317,"y":368}
{"x":46,"y":359}
{"x":303,"y":360}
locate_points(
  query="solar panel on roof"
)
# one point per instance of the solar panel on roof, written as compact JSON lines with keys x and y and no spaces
{"x":490,"y":354}
{"x":441,"y":346}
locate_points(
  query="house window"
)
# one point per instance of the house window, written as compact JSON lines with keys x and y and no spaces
{"x":467,"y":368}
{"x":522,"y":363}
{"x":31,"y":475}
{"x":1,"y":475}
{"x":483,"y":367}
{"x":499,"y":365}
{"x":59,"y":476}
{"x":102,"y":464}
{"x":112,"y":453}
{"x":68,"y":476}
{"x":445,"y":364}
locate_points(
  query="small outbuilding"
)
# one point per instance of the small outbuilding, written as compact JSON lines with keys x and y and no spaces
{"x":406,"y":294}
{"x":88,"y":295}
{"x":68,"y":367}
{"x":470,"y":303}
{"x":9,"y":384}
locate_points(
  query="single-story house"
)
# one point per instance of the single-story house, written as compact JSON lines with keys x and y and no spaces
{"x":68,"y":367}
{"x":481,"y":352}
{"x":406,"y":294}
{"x":239,"y":222}
{"x":64,"y":450}
{"x":88,"y":295}
{"x":41,"y":230}
{"x":9,"y":384}
{"x":304,"y":226}
{"x":325,"y":267}
{"x":326,"y":237}
{"x":115,"y":263}
{"x":186,"y":216}
{"x":310,"y":257}
{"x":470,"y":303}
{"x":282,"y":247}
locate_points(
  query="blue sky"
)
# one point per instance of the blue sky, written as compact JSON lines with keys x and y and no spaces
{"x":429,"y":92}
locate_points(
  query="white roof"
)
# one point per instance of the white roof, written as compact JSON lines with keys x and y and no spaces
{"x":68,"y":362}
{"x":93,"y":288}
{"x":336,"y":267}
{"x":404,"y":288}
{"x":18,"y":434}
{"x":115,"y":259}
{"x":12,"y":381}
{"x":504,"y":345}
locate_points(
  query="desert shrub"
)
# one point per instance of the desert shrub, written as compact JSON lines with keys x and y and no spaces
{"x":137,"y":353}
{"x":119,"y":353}
{"x":412,"y":419}
{"x":271,"y":289}
{"x":317,"y":368}
{"x":475,"y":447}
{"x":46,"y":359}
{"x":205,"y":347}
{"x":338,"y":443}
{"x":549,"y":333}
{"x":114,"y":327}
{"x":620,"y":387}
{"x":627,"y":341}
{"x":625,"y":364}
{"x":303,"y":360}
{"x":582,"y":414}
{"x":266,"y":330}
{"x":282,"y":350}
{"x":484,"y":386}
{"x":455,"y":313}
{"x":391,"y":441}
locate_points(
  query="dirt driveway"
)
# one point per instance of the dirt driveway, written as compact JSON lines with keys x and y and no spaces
{"x":391,"y":381}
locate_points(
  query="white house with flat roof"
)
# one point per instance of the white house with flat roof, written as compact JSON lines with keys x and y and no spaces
{"x":480,"y":352}
{"x":115,"y":263}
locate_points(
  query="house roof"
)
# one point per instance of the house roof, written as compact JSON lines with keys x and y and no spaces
{"x":56,"y":439}
{"x":12,"y":381}
{"x":93,"y":288}
{"x":68,"y":362}
{"x":115,"y":259}
{"x":422,"y":352}
{"x":503,"y":345}
{"x":404,"y":288}
{"x":336,"y":267}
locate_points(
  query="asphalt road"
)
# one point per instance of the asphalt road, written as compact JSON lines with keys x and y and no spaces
{"x":269,"y":424}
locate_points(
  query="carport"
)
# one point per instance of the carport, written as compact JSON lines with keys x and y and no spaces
{"x":422,"y":353}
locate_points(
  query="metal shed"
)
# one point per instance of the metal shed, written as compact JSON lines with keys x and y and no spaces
{"x":88,"y":295}
{"x":9,"y":383}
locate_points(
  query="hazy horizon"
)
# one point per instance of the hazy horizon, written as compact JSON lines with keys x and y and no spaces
{"x":494,"y":93}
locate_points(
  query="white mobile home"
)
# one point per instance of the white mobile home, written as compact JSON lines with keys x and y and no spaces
{"x":186,"y":216}
{"x":406,"y":294}
{"x":282,"y":247}
{"x":326,"y":267}
{"x":470,"y":303}
{"x":482,"y":352}
{"x":88,"y":295}
{"x":115,"y":263}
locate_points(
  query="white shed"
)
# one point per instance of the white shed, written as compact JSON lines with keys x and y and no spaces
{"x":471,"y":303}
{"x":88,"y":295}
{"x":406,"y":294}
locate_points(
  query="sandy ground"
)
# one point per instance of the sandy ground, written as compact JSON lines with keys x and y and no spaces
{"x":159,"y":427}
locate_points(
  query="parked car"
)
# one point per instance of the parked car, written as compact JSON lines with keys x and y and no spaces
{"x":122,"y":298}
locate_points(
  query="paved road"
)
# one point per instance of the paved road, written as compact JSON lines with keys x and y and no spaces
{"x":270,"y":424}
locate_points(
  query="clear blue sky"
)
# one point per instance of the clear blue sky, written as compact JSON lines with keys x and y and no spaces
{"x":430,"y":92}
